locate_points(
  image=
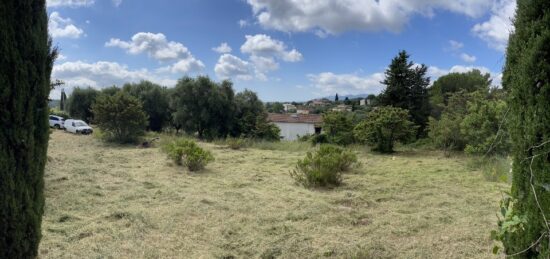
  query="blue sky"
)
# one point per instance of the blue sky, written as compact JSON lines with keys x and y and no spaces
{"x":282,"y":49}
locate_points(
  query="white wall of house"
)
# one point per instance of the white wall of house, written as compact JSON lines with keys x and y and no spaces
{"x":291,"y":131}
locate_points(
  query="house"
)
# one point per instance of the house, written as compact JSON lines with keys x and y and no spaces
{"x":342,"y":108}
{"x":363,"y":102}
{"x":302,"y":110}
{"x":289,"y":107}
{"x":294,"y":125}
{"x":319,"y":102}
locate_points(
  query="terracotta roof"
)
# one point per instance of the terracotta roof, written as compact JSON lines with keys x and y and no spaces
{"x":296,"y":118}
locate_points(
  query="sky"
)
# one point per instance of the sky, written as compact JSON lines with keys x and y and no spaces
{"x":285,"y":50}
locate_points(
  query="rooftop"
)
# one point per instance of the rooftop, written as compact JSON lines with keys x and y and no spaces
{"x":296,"y":118}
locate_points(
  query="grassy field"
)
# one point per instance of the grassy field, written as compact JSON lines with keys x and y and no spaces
{"x":107,"y":201}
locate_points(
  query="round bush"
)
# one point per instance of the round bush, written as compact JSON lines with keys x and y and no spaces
{"x":189,"y":154}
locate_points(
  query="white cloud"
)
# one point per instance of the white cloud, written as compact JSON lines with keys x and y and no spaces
{"x":337,"y":16}
{"x":345,"y":84}
{"x":223,"y":48}
{"x":497,"y":29}
{"x":468,"y":58}
{"x":60,"y":27}
{"x":264,"y":46}
{"x":230,"y":66}
{"x":156,"y":46}
{"x":69,"y":3}
{"x":102,"y":74}
{"x":117,"y":3}
{"x":61,"y":57}
{"x":455,"y":45}
{"x":243,"y":23}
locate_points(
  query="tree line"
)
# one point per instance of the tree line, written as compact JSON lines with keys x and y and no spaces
{"x":195,"y":105}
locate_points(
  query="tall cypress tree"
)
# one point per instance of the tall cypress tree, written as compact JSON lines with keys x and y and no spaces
{"x":527,"y":81}
{"x":26,"y":60}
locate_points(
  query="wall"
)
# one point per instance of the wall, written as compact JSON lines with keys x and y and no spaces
{"x":289,"y":131}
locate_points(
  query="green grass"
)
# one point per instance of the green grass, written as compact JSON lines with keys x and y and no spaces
{"x":124,"y":202}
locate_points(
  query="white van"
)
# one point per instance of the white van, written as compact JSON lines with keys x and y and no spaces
{"x":78,"y":127}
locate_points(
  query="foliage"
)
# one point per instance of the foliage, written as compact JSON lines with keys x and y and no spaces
{"x":26,"y":63}
{"x":323,"y":167}
{"x":383,"y":127}
{"x":120,"y":117}
{"x":447,"y":85}
{"x":446,"y":132}
{"x":80,"y":103}
{"x":251,"y":118}
{"x":204,"y":107}
{"x":187,"y":153}
{"x":59,"y":113}
{"x":526,"y":79}
{"x":407,"y":88}
{"x":275,"y":107}
{"x":483,"y":126}
{"x":155,"y":103}
{"x":338,"y":127}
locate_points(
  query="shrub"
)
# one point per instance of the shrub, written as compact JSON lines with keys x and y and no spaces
{"x":120,"y":117}
{"x":323,"y":167}
{"x":339,"y":127}
{"x":189,"y":154}
{"x":59,"y":113}
{"x":235,"y":143}
{"x":384,"y":126}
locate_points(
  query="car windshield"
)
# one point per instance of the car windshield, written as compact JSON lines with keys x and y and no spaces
{"x":80,"y":124}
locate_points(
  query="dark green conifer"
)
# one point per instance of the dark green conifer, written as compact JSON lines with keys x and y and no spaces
{"x":26,"y":60}
{"x":527,"y":81}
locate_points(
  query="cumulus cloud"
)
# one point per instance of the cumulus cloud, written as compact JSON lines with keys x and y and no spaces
{"x":264,"y":46}
{"x":156,"y":46}
{"x":330,"y":83}
{"x":230,"y":66}
{"x":468,"y":58}
{"x":455,"y":45}
{"x":223,"y":48}
{"x":69,"y":3}
{"x":102,"y":74}
{"x":60,"y":27}
{"x":497,"y":29}
{"x":337,"y":16}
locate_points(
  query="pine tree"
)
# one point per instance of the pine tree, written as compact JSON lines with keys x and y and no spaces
{"x":26,"y":60}
{"x":407,"y":88}
{"x":527,"y":81}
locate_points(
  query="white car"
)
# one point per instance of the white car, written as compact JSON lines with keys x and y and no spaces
{"x":57,"y":122}
{"x":78,"y":127}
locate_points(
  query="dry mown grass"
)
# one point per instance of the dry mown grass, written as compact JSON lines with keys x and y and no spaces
{"x":122,"y":202}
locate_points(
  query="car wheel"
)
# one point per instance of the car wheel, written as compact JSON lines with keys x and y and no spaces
{"x":56,"y":126}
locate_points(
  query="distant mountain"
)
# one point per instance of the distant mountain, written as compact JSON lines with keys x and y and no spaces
{"x":351,"y":97}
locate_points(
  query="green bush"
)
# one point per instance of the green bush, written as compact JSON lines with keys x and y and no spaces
{"x":120,"y":117}
{"x":188,"y":153}
{"x":383,"y":127}
{"x":59,"y":113}
{"x":338,"y":127}
{"x":323,"y":167}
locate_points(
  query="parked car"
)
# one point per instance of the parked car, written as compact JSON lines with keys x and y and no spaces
{"x":57,"y":122}
{"x":78,"y":127}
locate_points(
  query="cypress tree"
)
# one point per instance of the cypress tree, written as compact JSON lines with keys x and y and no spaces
{"x":63,"y":100}
{"x":527,"y":81}
{"x":26,"y":60}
